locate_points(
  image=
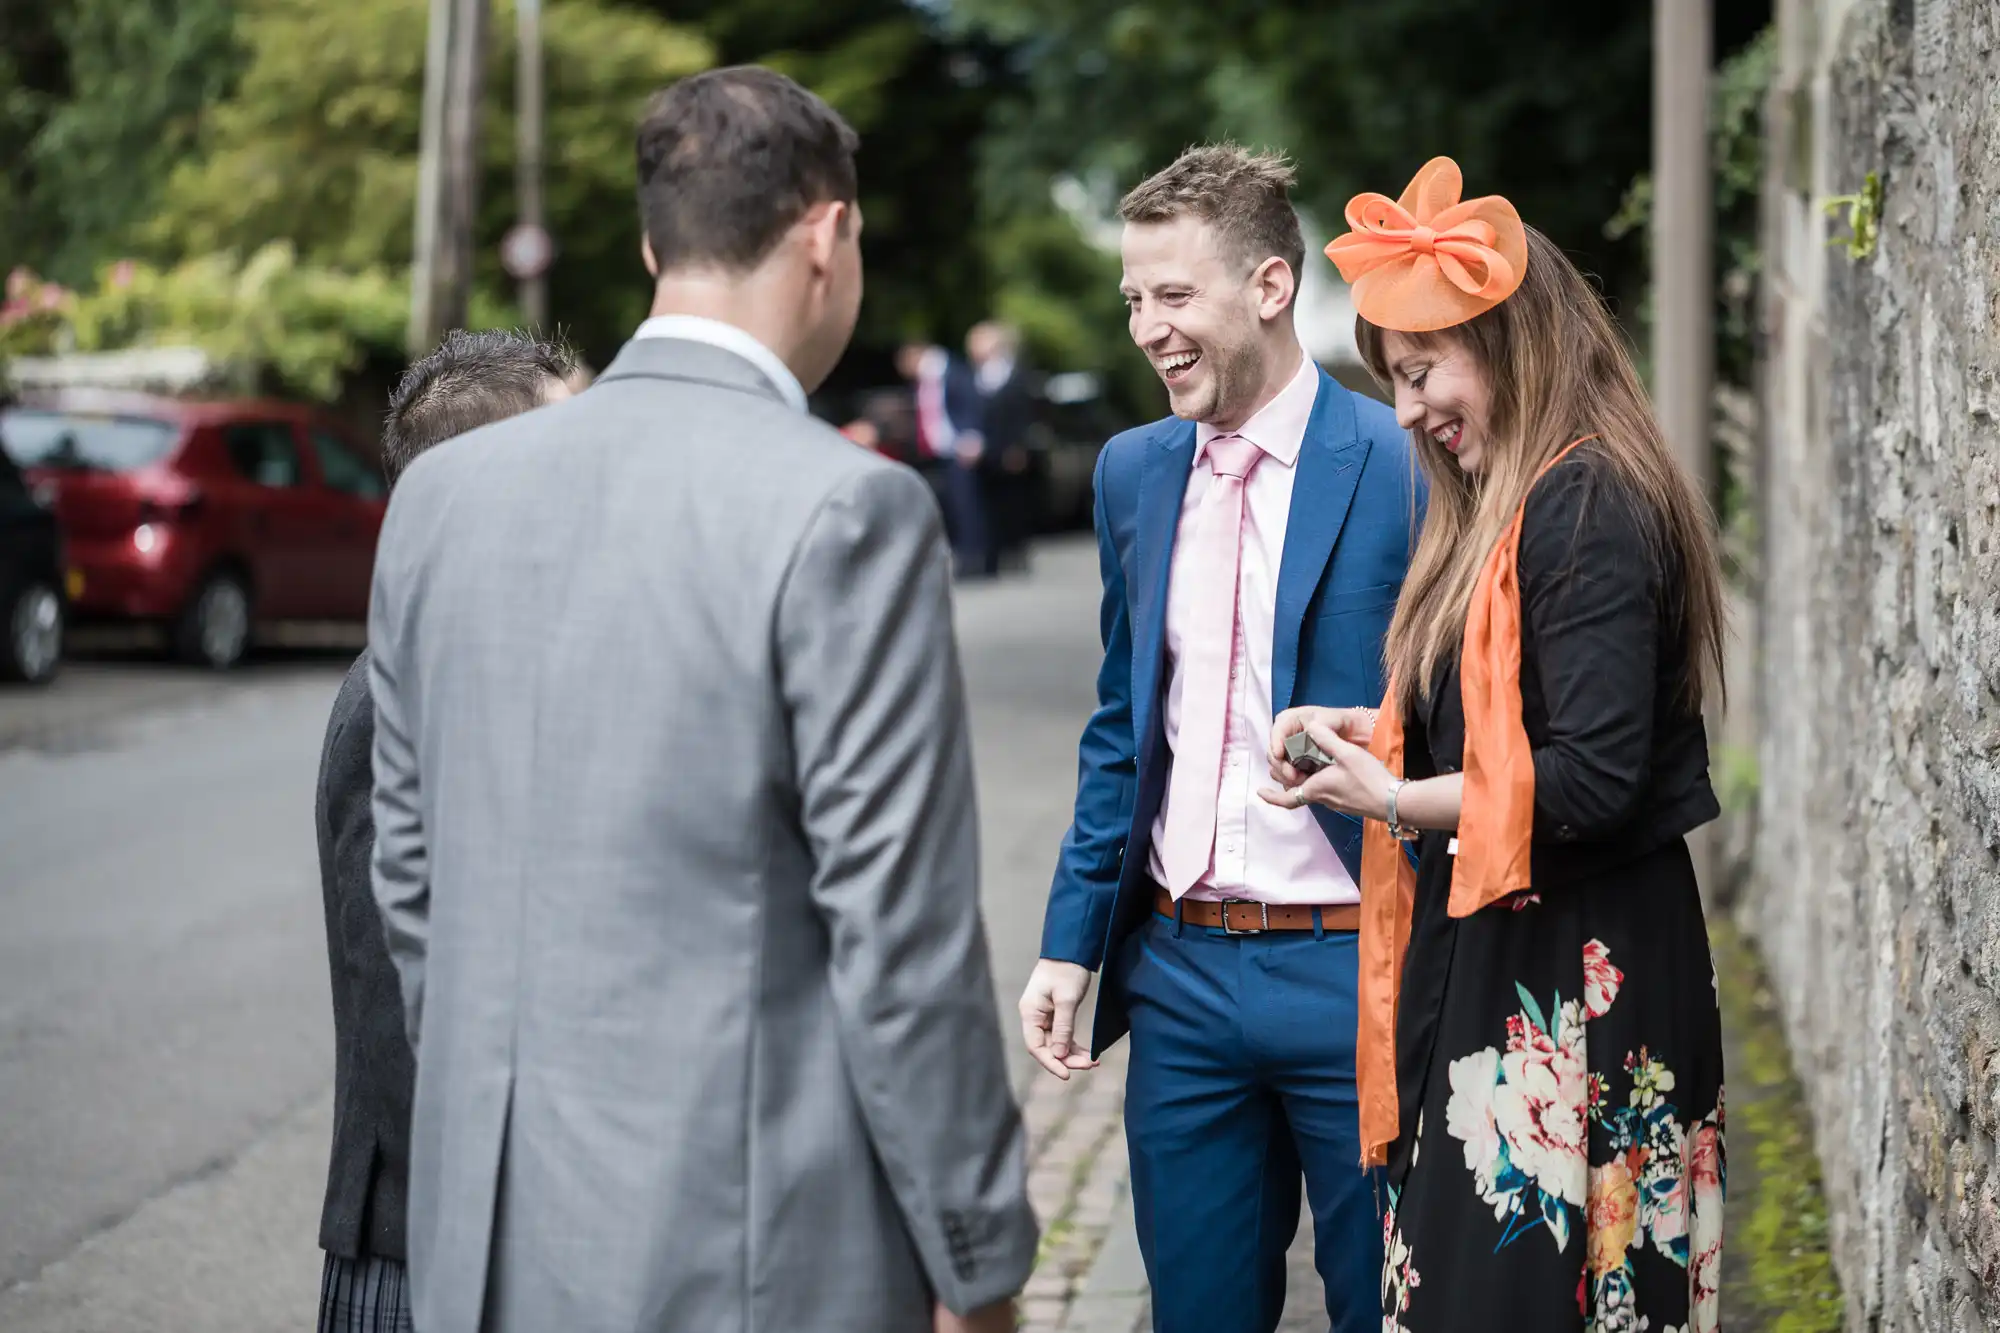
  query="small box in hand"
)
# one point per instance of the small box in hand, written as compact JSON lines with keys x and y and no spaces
{"x":1304,"y":754}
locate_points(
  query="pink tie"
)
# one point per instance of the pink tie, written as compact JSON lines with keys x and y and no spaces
{"x":930,"y":411}
{"x":1207,"y":651}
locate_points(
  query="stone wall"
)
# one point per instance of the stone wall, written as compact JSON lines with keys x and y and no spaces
{"x":1875,"y":891}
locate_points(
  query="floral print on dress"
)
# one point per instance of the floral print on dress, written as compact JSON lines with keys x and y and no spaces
{"x":1525,"y":1114}
{"x":1522,"y":1115}
{"x":1600,"y":980}
{"x":1663,"y":1186}
{"x":1399,"y":1273}
{"x":1707,"y":1176}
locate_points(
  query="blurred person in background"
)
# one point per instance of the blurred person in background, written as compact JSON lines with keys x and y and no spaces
{"x":885,"y":421}
{"x":864,"y":433}
{"x":1008,"y":471}
{"x":951,"y":441}
{"x":1251,"y":547}
{"x":1540,"y":995}
{"x":470,"y":380}
{"x":676,"y":845}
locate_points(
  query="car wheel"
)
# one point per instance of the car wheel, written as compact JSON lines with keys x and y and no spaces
{"x":214,"y":631}
{"x":34,"y":626}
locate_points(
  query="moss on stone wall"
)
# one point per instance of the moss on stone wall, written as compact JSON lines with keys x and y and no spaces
{"x":1777,"y":1273}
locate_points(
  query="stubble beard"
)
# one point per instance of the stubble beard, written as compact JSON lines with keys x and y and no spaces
{"x":1234,"y":372}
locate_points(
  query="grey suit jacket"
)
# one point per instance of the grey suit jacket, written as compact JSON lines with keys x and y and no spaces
{"x":676,"y":852}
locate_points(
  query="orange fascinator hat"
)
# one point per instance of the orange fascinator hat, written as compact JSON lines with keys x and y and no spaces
{"x":1427,"y":261}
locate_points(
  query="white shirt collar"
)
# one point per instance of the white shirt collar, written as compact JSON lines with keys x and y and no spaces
{"x":697,"y":328}
{"x":1279,"y":426}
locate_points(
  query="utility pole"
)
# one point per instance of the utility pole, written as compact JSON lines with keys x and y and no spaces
{"x":447,"y":171}
{"x":1684,"y":276}
{"x":1683,"y":234}
{"x":532,"y":230}
{"x":423,"y":330}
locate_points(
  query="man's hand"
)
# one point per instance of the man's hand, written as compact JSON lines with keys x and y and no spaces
{"x":970,"y":447}
{"x":988,"y":1319}
{"x":1356,"y":726}
{"x":1048,"y":1016}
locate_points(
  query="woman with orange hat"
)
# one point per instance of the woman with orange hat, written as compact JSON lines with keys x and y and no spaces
{"x":1540,"y":1053}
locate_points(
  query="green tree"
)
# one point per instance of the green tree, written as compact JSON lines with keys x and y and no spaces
{"x":1547,"y":101}
{"x":316,"y":146}
{"x":267,"y":318}
{"x":139,"y":74}
{"x":919,"y":94}
{"x":34,"y":78}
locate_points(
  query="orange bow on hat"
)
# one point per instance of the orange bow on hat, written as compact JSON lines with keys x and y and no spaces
{"x":1426,"y":261}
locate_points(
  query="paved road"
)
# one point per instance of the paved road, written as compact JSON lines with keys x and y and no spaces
{"x":165,"y":1062}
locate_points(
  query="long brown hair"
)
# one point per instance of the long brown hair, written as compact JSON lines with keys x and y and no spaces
{"x":1558,"y":370}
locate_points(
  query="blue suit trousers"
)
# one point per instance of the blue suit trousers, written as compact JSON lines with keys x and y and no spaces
{"x":1240,"y":1080}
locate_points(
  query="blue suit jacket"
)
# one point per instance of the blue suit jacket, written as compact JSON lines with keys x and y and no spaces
{"x":1356,"y":505}
{"x":963,"y":402}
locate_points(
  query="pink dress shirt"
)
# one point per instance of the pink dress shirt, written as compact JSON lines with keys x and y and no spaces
{"x":933,"y":423}
{"x":1262,"y":852}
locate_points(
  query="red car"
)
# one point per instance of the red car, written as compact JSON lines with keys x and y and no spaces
{"x":206,"y":517}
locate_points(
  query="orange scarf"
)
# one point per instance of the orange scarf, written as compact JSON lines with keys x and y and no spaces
{"x":1496,"y":822}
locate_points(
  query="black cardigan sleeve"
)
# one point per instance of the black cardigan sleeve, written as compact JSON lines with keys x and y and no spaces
{"x":1590,"y":628}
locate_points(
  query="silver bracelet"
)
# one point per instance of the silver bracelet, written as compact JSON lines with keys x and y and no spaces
{"x":1397,"y":828}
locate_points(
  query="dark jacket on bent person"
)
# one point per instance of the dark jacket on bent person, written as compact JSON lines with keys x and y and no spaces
{"x":1013,"y":493}
{"x":1621,"y":765}
{"x":1007,"y":415}
{"x":374,"y":1072}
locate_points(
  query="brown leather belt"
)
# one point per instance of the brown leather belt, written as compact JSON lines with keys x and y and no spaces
{"x":1238,"y":916}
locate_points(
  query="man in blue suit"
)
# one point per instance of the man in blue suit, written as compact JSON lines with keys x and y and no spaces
{"x":1252,"y":547}
{"x":951,"y":441}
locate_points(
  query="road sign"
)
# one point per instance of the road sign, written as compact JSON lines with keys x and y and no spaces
{"x":526,"y":252}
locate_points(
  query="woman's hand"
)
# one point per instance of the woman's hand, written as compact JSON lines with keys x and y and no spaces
{"x":1354,"y":783}
{"x":1354,"y":725}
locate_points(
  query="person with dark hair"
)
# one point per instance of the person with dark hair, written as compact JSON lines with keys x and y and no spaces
{"x":677,"y":850}
{"x":470,"y":380}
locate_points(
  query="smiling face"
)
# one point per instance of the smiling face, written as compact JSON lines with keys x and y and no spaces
{"x":1442,"y":392}
{"x":1201,"y":319}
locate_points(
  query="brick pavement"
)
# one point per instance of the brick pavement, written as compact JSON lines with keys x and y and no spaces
{"x":1078,"y":1181}
{"x":1077,"y":1178}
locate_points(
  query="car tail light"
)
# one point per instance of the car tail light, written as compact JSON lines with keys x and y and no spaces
{"x":177,"y":507}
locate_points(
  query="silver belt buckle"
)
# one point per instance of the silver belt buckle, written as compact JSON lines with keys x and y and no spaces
{"x":1263,"y":913}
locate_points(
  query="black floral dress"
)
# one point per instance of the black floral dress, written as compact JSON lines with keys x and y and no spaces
{"x":1559,"y":1054}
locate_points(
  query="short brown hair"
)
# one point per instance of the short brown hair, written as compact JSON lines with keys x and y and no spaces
{"x":1246,"y":197}
{"x":730,"y":159}
{"x":470,"y":380}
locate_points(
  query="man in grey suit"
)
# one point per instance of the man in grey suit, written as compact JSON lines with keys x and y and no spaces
{"x":469,"y":380}
{"x":675,"y":839}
